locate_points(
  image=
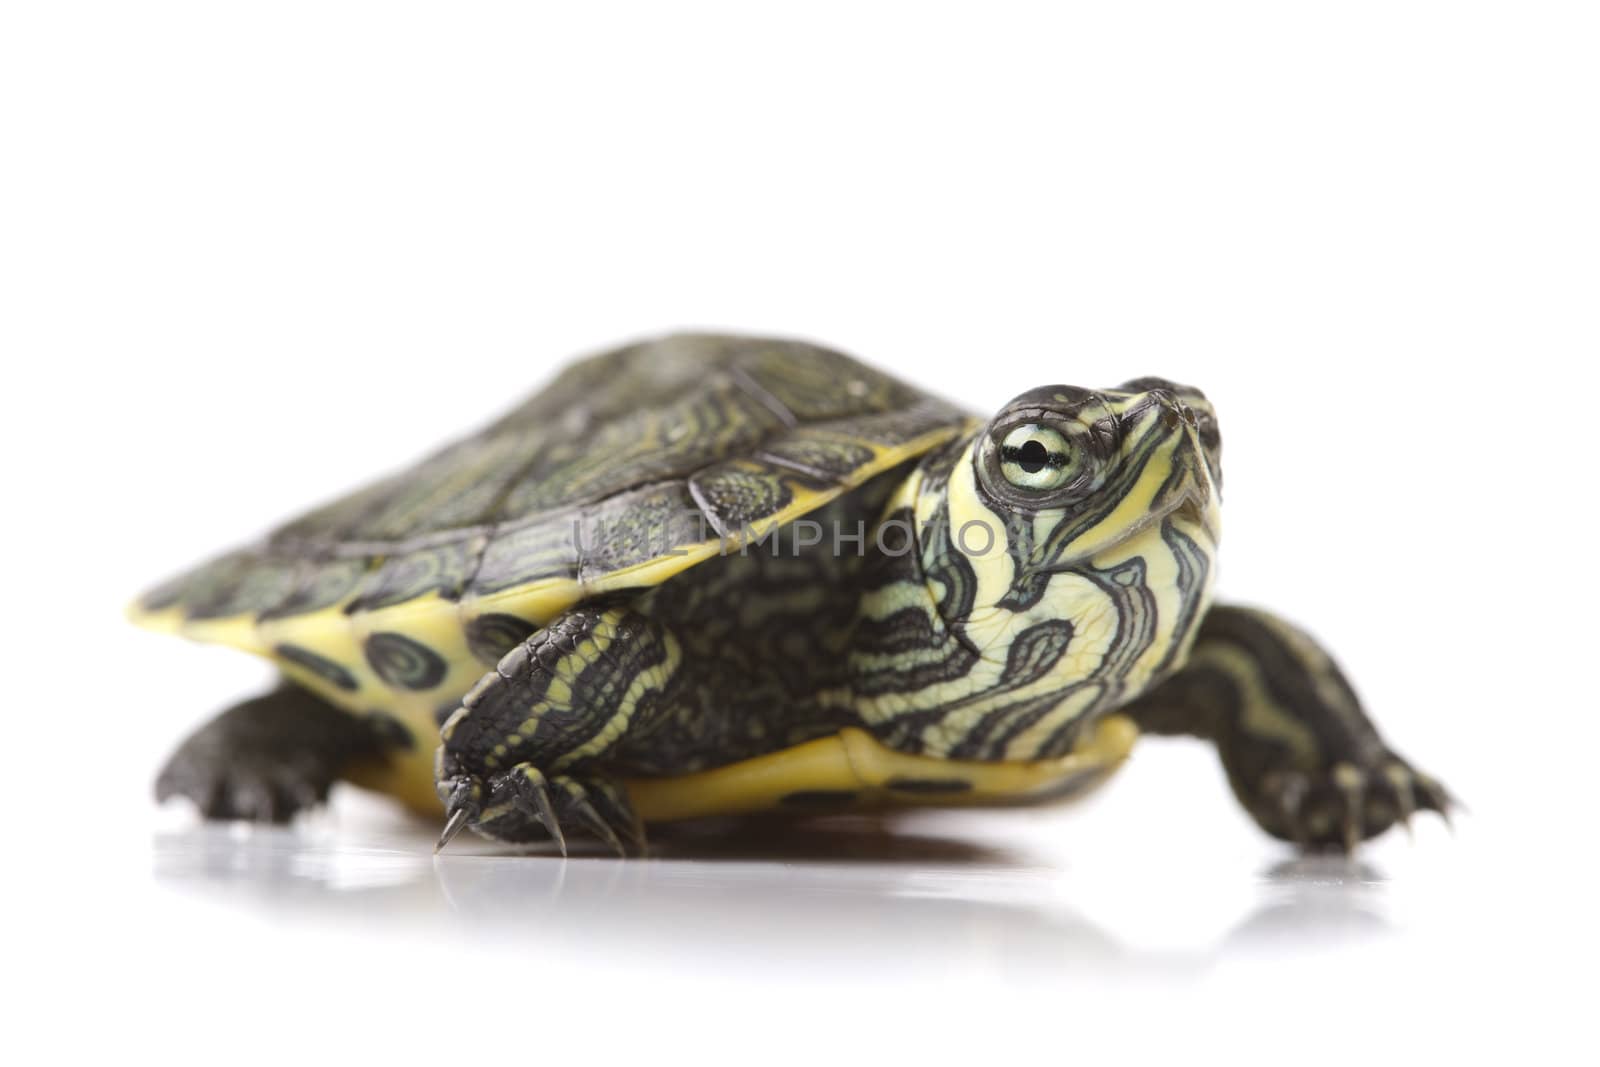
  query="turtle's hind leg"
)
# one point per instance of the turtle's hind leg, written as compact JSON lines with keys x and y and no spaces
{"x":1301,"y":754}
{"x":268,"y":758}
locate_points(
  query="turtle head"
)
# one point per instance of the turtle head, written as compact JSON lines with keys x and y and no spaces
{"x":1096,"y":508}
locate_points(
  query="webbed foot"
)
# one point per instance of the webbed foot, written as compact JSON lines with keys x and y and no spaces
{"x":267,"y":759}
{"x":1341,"y":805}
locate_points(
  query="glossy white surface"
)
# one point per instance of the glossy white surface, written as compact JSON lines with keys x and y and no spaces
{"x":1145,"y":921}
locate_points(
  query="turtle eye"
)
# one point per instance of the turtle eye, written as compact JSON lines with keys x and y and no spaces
{"x":1037,"y":457}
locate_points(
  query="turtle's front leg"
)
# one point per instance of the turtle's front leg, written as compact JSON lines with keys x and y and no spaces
{"x":525,"y":756}
{"x":1300,"y":753}
{"x":268,"y":758}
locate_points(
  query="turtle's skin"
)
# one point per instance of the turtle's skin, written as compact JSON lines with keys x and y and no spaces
{"x":711,"y":575}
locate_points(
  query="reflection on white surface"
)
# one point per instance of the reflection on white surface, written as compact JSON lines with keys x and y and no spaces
{"x":1128,"y":927}
{"x":862,"y":892}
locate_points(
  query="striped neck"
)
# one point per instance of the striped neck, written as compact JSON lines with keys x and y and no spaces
{"x":995,"y":641}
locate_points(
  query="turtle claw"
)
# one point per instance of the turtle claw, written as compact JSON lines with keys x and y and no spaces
{"x":452,"y":826}
{"x":1437,"y":798}
{"x":531,"y":796}
{"x":1346,"y":804}
{"x":600,"y":808}
{"x":1405,"y":796}
{"x":609,"y":806}
{"x":1352,"y":785}
{"x":596,"y":825}
{"x":523,"y":805}
{"x":463,"y":800}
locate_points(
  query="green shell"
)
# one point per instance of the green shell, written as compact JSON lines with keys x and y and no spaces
{"x":621,"y":457}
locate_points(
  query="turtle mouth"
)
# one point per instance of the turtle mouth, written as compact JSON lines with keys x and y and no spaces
{"x":1198,"y":506}
{"x":1195,"y":499}
{"x":1196,"y":502}
{"x":1195,"y":505}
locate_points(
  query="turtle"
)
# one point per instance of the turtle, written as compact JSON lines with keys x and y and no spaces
{"x":717,"y":575}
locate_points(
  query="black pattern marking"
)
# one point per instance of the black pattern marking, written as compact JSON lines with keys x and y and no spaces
{"x":1315,"y":693}
{"x":326,"y":669}
{"x":950,"y":568}
{"x":404,"y":663}
{"x":1194,"y":568}
{"x":819,"y":798}
{"x":897,"y":639}
{"x":390,"y":731}
{"x":1032,"y":655}
{"x":490,"y":636}
{"x":1005,"y":724}
{"x":1035,"y":651}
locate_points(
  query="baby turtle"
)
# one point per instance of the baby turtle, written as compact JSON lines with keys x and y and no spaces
{"x":717,"y":575}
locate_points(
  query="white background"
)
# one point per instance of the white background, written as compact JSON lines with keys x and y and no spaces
{"x":252,"y":254}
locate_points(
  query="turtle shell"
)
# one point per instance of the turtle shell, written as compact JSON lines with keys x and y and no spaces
{"x":628,"y":468}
